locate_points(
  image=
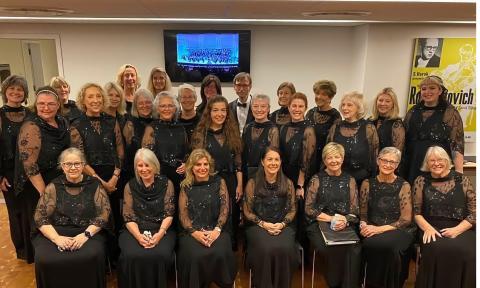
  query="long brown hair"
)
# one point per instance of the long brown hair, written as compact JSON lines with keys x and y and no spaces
{"x":230,"y":127}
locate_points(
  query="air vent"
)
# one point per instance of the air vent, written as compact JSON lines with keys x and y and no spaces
{"x":35,"y":12}
{"x":336,"y":13}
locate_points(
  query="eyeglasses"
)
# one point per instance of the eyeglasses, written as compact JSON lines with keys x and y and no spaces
{"x":244,"y":86}
{"x":50,"y":105}
{"x":388,"y":162}
{"x":166,"y":106}
{"x":69,"y":165}
{"x":431,"y":47}
{"x":436,"y":161}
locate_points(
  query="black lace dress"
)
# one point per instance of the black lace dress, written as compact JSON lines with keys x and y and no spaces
{"x":204,"y":205}
{"x":273,"y":259}
{"x":70,"y":208}
{"x":444,"y":203}
{"x":39,"y":146}
{"x":334,"y":195}
{"x":147,"y":207}
{"x":391,"y":133}
{"x":169,"y":141}
{"x":70,"y":111}
{"x":360,"y":141}
{"x":428,"y":126}
{"x":321,"y":122}
{"x":385,"y":255}
{"x":280,"y":117}
{"x":11,"y":118}
{"x":189,"y":124}
{"x":257,"y":137}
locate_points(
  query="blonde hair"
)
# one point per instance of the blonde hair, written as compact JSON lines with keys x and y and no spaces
{"x":121,"y":71}
{"x":183,"y":87}
{"x":58,"y":81}
{"x":122,"y":108}
{"x":392,"y":114}
{"x":146,"y":155}
{"x":439,"y":152}
{"x":194,"y":157}
{"x":168,"y":82}
{"x":68,"y":151}
{"x":332,"y":148}
{"x":81,"y":96}
{"x":391,"y":150}
{"x":357,"y":99}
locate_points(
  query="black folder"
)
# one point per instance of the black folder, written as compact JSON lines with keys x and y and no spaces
{"x":343,"y":237}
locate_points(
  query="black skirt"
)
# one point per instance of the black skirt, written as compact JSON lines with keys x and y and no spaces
{"x":146,"y":268}
{"x":273,"y":259}
{"x":342,"y":262}
{"x":82,"y":268}
{"x":199,"y":265}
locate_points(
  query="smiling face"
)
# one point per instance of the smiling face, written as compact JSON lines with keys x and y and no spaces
{"x":47,"y":106}
{"x":144,"y":106}
{"x":114,"y":98}
{"x":145,"y":171}
{"x":349,"y":110}
{"x":430,"y":94}
{"x":159,"y":81}
{"x":218,"y":114}
{"x":297,"y":110}
{"x":93,"y":101}
{"x":322,"y":100}
{"x":15,"y":95}
{"x":210,"y":90}
{"x":130,"y":78}
{"x":284,"y":95}
{"x":260,"y":109}
{"x":187,"y":100}
{"x":384,"y":104}
{"x":387,"y":163}
{"x":72,"y":166}
{"x":242,"y":88}
{"x":333,"y":163}
{"x":201,"y":170}
{"x":438,"y":166}
{"x":166,"y":108}
{"x":271,"y":163}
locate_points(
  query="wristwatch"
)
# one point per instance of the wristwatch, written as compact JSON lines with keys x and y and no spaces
{"x":87,"y":234}
{"x":218,"y":229}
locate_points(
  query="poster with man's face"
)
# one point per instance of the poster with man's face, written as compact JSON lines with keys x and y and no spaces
{"x":429,"y":52}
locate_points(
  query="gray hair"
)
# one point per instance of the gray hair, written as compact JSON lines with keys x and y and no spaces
{"x":69,"y":151}
{"x":186,"y":86}
{"x":142,"y":92}
{"x":167,"y":94}
{"x":357,"y":99}
{"x":390,"y":150}
{"x":436,"y":151}
{"x":260,"y":96}
{"x":146,"y":155}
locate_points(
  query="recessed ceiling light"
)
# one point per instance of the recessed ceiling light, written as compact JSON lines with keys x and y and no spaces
{"x":35,"y":12}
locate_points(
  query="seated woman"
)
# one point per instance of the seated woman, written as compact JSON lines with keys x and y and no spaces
{"x":69,"y":251}
{"x":386,"y":218}
{"x":204,"y":249}
{"x":445,"y":211}
{"x":332,"y":194}
{"x":148,"y":208}
{"x":269,"y":208}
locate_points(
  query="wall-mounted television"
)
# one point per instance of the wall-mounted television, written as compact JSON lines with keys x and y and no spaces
{"x":190,"y":55}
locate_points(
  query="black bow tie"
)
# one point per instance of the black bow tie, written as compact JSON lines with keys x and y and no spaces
{"x":240,"y":104}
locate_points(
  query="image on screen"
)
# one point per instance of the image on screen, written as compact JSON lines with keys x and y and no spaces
{"x":208,"y":49}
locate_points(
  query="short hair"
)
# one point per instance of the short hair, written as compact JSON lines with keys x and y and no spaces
{"x":299,"y":95}
{"x":194,"y":157}
{"x":357,"y":99}
{"x":122,"y":108}
{"x":146,"y":155}
{"x":58,"y":81}
{"x":391,"y":150}
{"x":436,"y":151}
{"x":68,"y":151}
{"x":168,"y":82}
{"x":392,"y":114}
{"x":183,"y":87}
{"x":326,"y":86}
{"x":333,"y":148}
{"x":121,"y":71}
{"x":81,"y":95}
{"x":49,"y":90}
{"x":166,"y":94}
{"x":14,"y":80}
{"x":142,"y":92}
{"x":242,"y":75}
{"x":289,"y":85}
{"x":260,"y":96}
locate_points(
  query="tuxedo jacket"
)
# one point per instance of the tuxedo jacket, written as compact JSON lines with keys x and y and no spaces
{"x":233,"y":107}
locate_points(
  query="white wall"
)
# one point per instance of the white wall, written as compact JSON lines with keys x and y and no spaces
{"x":365,"y":58}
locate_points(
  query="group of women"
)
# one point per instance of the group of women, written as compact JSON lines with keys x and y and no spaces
{"x":145,"y":172}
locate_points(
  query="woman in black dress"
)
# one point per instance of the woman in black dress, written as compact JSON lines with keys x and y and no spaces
{"x":14,"y":92}
{"x":357,"y":136}
{"x":281,"y":116}
{"x":217,"y":132}
{"x":390,"y":128}
{"x":211,"y":87}
{"x":269,"y":209}
{"x":129,"y":79}
{"x":332,"y":194}
{"x":167,"y":139}
{"x":386,"y":223}
{"x":42,"y":137}
{"x":433,"y":121}
{"x":158,"y":81}
{"x":323,"y":115}
{"x":258,"y":135}
{"x":445,"y":211}
{"x":69,"y":107}
{"x":69,"y":251}
{"x":204,"y":249}
{"x":147,"y":245}
{"x":188,"y":117}
{"x":115,"y":106}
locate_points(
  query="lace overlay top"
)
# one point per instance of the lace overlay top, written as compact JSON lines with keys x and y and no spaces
{"x":70,"y":111}
{"x":189,"y":124}
{"x":257,"y":137}
{"x":11,"y":119}
{"x":321,"y":122}
{"x":280,"y":117}
{"x":133,"y":133}
{"x":204,"y":205}
{"x":73,"y":204}
{"x":148,"y":206}
{"x":391,"y":132}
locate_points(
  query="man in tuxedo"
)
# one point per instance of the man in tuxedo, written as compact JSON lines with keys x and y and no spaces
{"x":241,"y":107}
{"x":427,"y":58}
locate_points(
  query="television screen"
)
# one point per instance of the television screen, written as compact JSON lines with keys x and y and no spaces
{"x":191,"y":55}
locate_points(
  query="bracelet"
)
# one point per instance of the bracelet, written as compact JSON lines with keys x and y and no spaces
{"x":284,"y":225}
{"x":260,"y":224}
{"x":218,"y":229}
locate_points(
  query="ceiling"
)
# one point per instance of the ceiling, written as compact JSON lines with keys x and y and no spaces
{"x":242,"y":11}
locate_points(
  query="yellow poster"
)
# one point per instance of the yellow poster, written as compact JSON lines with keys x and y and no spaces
{"x":452,"y":59}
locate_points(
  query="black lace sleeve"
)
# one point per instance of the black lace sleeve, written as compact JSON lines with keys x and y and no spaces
{"x":291,"y":204}
{"x":364,"y":194}
{"x":309,"y":144}
{"x":311,"y":211}
{"x":331,"y":132}
{"x":418,"y":186}
{"x":184,"y":216}
{"x":373,"y":144}
{"x":405,"y":197}
{"x":76,"y":139}
{"x":46,"y":206}
{"x":128,"y":212}
{"x":222,"y":218}
{"x":353,"y":197}
{"x":169,"y":200}
{"x":119,"y":146}
{"x":471,"y":200}
{"x":398,"y":134}
{"x":274,"y":138}
{"x":453,"y":119}
{"x":148,"y":140}
{"x":102,"y":208}
{"x":248,"y":202}
{"x":29,"y":144}
{"x":406,"y":120}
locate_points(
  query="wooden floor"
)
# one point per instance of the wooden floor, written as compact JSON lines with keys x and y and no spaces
{"x":17,"y":274}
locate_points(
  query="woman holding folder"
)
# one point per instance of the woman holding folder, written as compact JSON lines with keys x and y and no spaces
{"x":332,"y":199}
